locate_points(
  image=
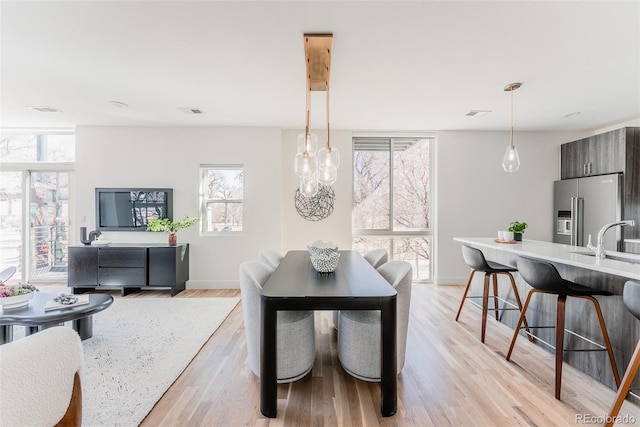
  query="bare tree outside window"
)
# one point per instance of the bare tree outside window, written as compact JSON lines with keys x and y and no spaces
{"x":392,"y":199}
{"x":222,"y":199}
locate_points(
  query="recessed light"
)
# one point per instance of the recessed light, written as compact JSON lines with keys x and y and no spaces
{"x":191,"y":110}
{"x":577,"y":113}
{"x":44,"y":109}
{"x":477,"y":113}
{"x":118,"y":104}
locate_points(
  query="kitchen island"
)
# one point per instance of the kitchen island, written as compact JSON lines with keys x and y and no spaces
{"x":579,"y":265}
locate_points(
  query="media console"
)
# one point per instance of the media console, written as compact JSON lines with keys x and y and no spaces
{"x":128,"y":267}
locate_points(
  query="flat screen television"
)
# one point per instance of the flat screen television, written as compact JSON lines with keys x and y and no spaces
{"x":131,"y":209}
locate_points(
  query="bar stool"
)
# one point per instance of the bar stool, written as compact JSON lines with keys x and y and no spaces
{"x":631,"y":299}
{"x":544,"y":278}
{"x":474,"y":258}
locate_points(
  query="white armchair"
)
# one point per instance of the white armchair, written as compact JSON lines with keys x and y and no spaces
{"x":270,"y":257}
{"x":40,"y":379}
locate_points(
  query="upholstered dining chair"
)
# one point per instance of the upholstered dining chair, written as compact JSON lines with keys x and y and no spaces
{"x":40,"y":379}
{"x":270,"y":257}
{"x":359,"y":332}
{"x":296,"y":335}
{"x":7,"y":274}
{"x":376,"y":258}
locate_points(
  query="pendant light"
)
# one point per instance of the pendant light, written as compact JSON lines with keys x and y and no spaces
{"x":511,"y":160}
{"x":315,"y":166}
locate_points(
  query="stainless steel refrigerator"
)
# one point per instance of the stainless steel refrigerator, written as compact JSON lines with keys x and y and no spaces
{"x":581,"y":206}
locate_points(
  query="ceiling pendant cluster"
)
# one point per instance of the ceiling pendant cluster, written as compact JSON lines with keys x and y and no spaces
{"x":315,"y":166}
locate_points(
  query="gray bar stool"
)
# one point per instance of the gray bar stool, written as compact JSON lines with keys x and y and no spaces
{"x":476,"y":260}
{"x":631,"y":299}
{"x":544,"y":278}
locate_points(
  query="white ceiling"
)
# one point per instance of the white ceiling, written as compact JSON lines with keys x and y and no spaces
{"x":404,"y":66}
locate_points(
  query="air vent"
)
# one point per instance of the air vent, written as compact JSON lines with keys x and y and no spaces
{"x":191,"y":110}
{"x":44,"y":109}
{"x":477,"y":113}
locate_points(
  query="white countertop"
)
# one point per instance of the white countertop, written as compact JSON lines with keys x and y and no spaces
{"x":562,"y":254}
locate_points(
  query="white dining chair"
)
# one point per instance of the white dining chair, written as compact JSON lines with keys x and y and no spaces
{"x":295,"y":329}
{"x":359,"y":332}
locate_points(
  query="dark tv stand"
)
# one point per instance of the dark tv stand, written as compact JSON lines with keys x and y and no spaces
{"x":129,"y":268}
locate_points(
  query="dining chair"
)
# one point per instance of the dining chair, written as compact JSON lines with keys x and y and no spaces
{"x":40,"y":379}
{"x":295,"y":329}
{"x":270,"y":257}
{"x":359,"y":333}
{"x":376,"y":258}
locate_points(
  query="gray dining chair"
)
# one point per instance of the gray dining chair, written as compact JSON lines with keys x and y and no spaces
{"x":270,"y":257}
{"x":296,"y":335}
{"x":359,"y":333}
{"x":376,"y":258}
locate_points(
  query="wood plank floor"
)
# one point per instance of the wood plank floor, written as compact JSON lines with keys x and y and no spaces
{"x":449,"y":378}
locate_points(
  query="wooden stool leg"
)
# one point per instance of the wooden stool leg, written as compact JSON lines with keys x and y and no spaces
{"x":607,"y":342}
{"x":464,"y":297}
{"x":629,"y":375}
{"x":516,"y":294}
{"x":495,"y":294}
{"x":520,"y":320}
{"x":562,"y":299}
{"x":485,"y":304}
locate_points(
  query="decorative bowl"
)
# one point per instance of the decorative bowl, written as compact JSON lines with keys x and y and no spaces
{"x":324,"y":256}
{"x":17,"y":301}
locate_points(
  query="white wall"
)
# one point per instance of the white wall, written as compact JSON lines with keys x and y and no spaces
{"x":170,"y":157}
{"x":298,"y":232}
{"x":476,"y":198}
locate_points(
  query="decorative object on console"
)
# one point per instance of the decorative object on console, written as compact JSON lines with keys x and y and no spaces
{"x":317,"y":207}
{"x":92,"y":235}
{"x":517,"y":228}
{"x":101,"y":241}
{"x":171,"y":227}
{"x":324,"y":256}
{"x":315,"y":166}
{"x":16,"y":296}
{"x":511,"y":160}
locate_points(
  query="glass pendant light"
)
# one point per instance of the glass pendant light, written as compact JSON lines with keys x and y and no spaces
{"x":511,"y":160}
{"x":328,"y":157}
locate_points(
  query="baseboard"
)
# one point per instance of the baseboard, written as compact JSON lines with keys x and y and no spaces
{"x":450,"y":281}
{"x":213,"y":284}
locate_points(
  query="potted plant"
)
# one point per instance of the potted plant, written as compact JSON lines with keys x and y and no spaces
{"x":171,"y":227}
{"x":517,"y":228}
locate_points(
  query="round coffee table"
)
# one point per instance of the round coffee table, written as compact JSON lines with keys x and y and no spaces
{"x":35,"y":318}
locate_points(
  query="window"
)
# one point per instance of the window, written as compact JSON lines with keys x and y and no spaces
{"x":34,"y":204}
{"x":392,"y":199}
{"x":222,"y":196}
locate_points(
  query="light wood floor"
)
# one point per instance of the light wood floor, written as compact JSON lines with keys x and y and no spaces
{"x":449,"y":378}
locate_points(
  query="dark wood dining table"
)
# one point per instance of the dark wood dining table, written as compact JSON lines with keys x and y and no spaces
{"x":354,"y":285}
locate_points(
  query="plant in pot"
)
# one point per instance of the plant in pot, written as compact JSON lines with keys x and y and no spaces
{"x":517,"y":228}
{"x":171,"y":227}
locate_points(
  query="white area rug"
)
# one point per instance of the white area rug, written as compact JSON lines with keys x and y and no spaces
{"x":138,"y":349}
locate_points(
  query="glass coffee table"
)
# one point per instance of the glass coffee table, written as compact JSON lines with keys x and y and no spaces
{"x":35,"y":318}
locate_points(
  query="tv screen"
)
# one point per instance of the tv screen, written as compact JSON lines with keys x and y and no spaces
{"x":131,"y":209}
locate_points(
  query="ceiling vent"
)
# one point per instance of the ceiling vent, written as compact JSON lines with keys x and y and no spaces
{"x":191,"y":110}
{"x":477,"y":113}
{"x":44,"y":109}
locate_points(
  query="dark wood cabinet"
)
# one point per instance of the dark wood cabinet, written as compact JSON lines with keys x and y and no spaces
{"x":597,"y":155}
{"x":128,"y":267}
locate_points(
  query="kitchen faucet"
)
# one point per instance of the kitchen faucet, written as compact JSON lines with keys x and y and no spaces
{"x":599,"y":250}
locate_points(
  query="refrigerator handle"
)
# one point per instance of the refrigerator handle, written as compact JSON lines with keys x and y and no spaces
{"x":576,"y":221}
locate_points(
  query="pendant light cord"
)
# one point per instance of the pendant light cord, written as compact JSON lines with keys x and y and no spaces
{"x":307,"y":130}
{"x":328,"y":148}
{"x":511,"y":118}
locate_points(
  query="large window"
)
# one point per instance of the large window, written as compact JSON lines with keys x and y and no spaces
{"x":221,"y":200}
{"x":34,"y":204}
{"x":392,"y":199}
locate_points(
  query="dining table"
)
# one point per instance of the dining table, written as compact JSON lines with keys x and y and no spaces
{"x":354,"y":285}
